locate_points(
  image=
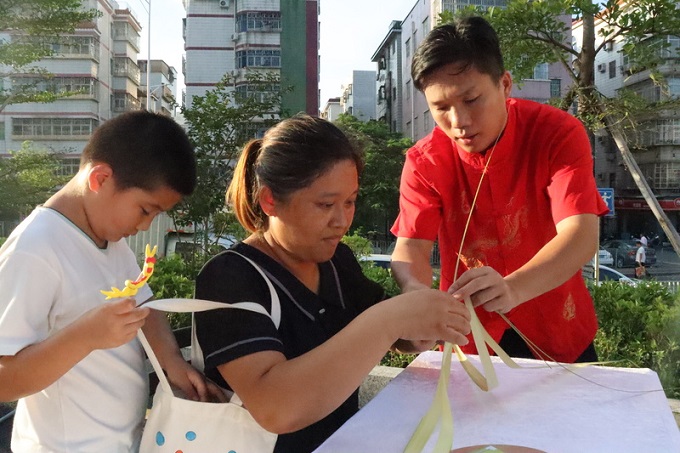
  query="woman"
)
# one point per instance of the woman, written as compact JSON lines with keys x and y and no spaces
{"x":295,"y":191}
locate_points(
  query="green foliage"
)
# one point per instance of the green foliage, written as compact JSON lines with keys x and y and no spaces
{"x":220,"y":123}
{"x":397,"y":359}
{"x":378,"y":202}
{"x":27,"y":179}
{"x":381,"y":276}
{"x":358,"y":244}
{"x":640,"y":326}
{"x":174,"y":277}
{"x":537,"y":32}
{"x":35,"y":25}
{"x":2,"y":241}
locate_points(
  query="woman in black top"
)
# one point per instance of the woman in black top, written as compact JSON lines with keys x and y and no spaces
{"x":295,"y":191}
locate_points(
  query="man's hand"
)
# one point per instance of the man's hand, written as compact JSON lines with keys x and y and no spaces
{"x":485,"y":287}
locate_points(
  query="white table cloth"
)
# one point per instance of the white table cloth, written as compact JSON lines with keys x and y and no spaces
{"x":549,"y":409}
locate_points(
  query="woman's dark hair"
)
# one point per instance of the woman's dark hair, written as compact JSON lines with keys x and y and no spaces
{"x":469,"y":41}
{"x":145,"y":150}
{"x":290,"y":157}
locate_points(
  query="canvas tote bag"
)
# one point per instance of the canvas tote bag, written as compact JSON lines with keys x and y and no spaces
{"x":176,"y":424}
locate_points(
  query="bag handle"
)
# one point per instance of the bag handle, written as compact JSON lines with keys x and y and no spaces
{"x":180,"y":305}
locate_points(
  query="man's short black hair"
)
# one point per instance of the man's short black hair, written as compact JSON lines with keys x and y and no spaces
{"x":470,"y":41}
{"x":145,"y":150}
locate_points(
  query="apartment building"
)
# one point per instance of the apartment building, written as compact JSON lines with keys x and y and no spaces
{"x":98,"y":63}
{"x":389,"y":79}
{"x":359,"y":96}
{"x":332,"y":109}
{"x":416,"y":121}
{"x":656,"y":145}
{"x":236,"y":36}
{"x":163,"y":89}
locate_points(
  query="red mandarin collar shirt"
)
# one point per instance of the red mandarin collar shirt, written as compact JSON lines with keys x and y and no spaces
{"x":540,"y":172}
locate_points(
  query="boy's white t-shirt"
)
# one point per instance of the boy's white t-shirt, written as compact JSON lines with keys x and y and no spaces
{"x":50,"y":274}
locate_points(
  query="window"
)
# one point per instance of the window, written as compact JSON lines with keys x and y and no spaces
{"x":426,"y":26}
{"x":2,"y":130}
{"x":667,"y":175}
{"x":408,"y":47}
{"x":426,"y":121}
{"x":555,"y":88}
{"x":264,"y":58}
{"x":76,"y":46}
{"x":52,"y":127}
{"x":125,"y":67}
{"x":264,"y":93}
{"x":123,"y":102}
{"x":541,"y":71}
{"x":83,"y":86}
{"x":69,"y":166}
{"x":612,"y":69}
{"x":258,"y":21}
{"x":408,"y":90}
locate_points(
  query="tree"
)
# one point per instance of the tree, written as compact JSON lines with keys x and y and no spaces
{"x":533,"y":32}
{"x":29,"y":28}
{"x":219,"y":124}
{"x":27,"y":179}
{"x":378,"y":203}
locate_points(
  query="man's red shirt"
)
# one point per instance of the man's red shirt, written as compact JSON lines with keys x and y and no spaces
{"x":540,"y":172}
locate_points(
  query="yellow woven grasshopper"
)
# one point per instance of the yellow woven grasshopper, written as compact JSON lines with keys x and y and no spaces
{"x":130,"y":287}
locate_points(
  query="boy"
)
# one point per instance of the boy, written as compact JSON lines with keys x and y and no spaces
{"x":69,"y":357}
{"x":534,"y":223}
{"x":640,"y":260}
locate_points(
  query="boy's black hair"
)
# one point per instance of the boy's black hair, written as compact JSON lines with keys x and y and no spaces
{"x":145,"y":150}
{"x":470,"y":41}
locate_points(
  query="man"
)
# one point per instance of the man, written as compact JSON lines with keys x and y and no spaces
{"x":640,"y":260}
{"x":534,"y":222}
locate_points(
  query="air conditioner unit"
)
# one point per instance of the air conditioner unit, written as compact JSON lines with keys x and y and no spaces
{"x":602,"y":67}
{"x":224,"y":3}
{"x":608,"y":46}
{"x":235,"y":37}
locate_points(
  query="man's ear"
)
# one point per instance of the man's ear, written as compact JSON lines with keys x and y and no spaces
{"x":267,"y":202}
{"x":506,"y":82}
{"x":98,"y":176}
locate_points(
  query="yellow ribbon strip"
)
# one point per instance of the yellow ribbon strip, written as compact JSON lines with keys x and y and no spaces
{"x":440,"y":409}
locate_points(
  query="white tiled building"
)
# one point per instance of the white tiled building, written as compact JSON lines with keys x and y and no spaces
{"x":548,"y":81}
{"x":100,"y":61}
{"x":359,"y":96}
{"x":234,"y":36}
{"x":390,"y":78}
{"x":657,"y":145}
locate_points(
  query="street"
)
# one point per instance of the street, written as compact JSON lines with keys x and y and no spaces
{"x":667,"y":267}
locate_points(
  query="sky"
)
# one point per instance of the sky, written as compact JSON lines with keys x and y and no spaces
{"x":351,"y":31}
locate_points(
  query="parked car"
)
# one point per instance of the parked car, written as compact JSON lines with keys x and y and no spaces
{"x":377,"y":259}
{"x":623,"y":251}
{"x":604,"y":257}
{"x":188,"y":244}
{"x":607,"y":273}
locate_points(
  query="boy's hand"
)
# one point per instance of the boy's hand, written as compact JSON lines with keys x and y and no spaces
{"x":192,"y":383}
{"x":113,"y":324}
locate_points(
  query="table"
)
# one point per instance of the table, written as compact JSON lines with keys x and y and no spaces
{"x":549,"y":409}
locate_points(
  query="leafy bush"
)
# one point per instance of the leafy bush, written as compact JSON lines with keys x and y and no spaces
{"x":640,"y":326}
{"x":174,"y":277}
